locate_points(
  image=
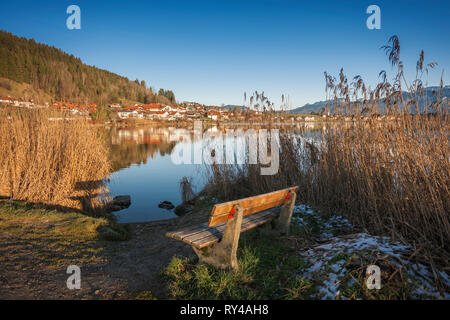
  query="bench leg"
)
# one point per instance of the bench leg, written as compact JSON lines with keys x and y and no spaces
{"x":223,"y":253}
{"x":282,"y":224}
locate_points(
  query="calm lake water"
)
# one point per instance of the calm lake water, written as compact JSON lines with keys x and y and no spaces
{"x":144,"y":169}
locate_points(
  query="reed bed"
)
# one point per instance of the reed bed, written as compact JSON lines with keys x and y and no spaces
{"x":387,"y":169}
{"x":52,"y":161}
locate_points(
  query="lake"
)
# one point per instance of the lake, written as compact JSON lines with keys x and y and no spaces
{"x":144,"y":169}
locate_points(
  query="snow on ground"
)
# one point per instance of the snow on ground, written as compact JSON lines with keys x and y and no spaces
{"x":330,"y":262}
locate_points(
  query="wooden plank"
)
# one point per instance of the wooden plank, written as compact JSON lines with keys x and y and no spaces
{"x":211,"y":239}
{"x":180,"y":234}
{"x":251,"y":205}
{"x":252,"y":224}
{"x":257,"y":223}
{"x":261,"y":215}
{"x":201,"y":236}
{"x":248,"y":223}
{"x":211,"y":233}
{"x":251,"y":201}
{"x":200,"y":229}
{"x":248,"y":219}
{"x":206,"y":242}
{"x":225,"y":208}
{"x":214,"y":220}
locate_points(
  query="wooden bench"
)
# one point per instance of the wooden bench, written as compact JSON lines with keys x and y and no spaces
{"x":216,"y":242}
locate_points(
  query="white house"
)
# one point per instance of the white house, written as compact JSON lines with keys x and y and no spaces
{"x":124,"y":114}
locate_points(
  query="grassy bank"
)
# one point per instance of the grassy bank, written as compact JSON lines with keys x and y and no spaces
{"x":25,"y":219}
{"x":51,"y":235}
{"x":37,"y":245}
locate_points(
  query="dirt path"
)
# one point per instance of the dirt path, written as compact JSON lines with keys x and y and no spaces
{"x":120,"y":271}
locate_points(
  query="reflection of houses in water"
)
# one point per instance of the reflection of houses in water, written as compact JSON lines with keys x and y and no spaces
{"x":159,"y":135}
{"x":151,"y":135}
{"x":213,"y":130}
{"x":136,"y":145}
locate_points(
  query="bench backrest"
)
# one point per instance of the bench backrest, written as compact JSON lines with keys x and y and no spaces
{"x":220,"y":212}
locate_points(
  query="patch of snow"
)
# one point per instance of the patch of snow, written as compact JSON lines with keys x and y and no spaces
{"x":327,"y":273}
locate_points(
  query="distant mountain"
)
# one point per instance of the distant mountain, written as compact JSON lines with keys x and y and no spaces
{"x":311,"y":107}
{"x":430,"y":96}
{"x":231,"y":107}
{"x":64,"y":77}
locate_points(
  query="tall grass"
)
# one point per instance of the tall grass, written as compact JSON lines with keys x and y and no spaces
{"x":52,"y":162}
{"x":388,"y":170}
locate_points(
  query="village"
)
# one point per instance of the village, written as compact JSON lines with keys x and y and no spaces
{"x":185,"y":111}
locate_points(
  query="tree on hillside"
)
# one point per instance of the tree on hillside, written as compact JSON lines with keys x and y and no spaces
{"x":65,"y":77}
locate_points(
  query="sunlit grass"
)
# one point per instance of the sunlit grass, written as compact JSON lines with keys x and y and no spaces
{"x":52,"y":236}
{"x":269,"y":269}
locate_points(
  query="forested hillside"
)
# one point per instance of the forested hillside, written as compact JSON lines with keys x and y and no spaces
{"x":65,"y":77}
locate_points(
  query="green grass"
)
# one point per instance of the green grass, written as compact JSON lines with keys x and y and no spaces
{"x":51,"y":235}
{"x":268,"y":270}
{"x":116,"y":232}
{"x":19,"y":217}
{"x":311,"y":226}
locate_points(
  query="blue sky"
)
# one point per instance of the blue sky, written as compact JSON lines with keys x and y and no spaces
{"x":214,"y":51}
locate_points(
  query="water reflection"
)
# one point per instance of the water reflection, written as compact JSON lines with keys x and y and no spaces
{"x":143,"y":169}
{"x":141,"y":159}
{"x":137,"y":145}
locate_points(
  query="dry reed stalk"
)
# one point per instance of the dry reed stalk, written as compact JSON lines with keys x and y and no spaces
{"x":61,"y":163}
{"x":187,"y":192}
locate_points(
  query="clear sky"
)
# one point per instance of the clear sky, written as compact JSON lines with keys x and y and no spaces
{"x":214,"y":51}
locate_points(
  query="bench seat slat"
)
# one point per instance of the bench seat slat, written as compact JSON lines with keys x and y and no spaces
{"x":211,"y":239}
{"x":201,"y":236}
{"x":215,"y":233}
{"x":193,"y":233}
{"x":257,"y":222}
{"x":199,"y":229}
{"x":189,"y":230}
{"x":209,"y":233}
